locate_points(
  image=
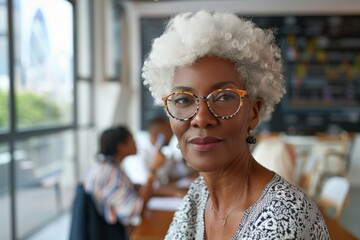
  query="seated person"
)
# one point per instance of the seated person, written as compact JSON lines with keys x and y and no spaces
{"x":114,"y":195}
{"x":159,"y":141}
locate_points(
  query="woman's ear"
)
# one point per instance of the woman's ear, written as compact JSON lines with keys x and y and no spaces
{"x":255,"y":108}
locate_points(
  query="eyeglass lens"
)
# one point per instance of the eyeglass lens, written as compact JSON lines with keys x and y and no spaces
{"x":221,"y":103}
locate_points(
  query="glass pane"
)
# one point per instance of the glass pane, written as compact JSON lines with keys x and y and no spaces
{"x":83,"y":39}
{"x":4,"y":70}
{"x":44,"y":72}
{"x":5,"y":226}
{"x":44,"y":180}
{"x":86,"y":149}
{"x":113,"y":50}
{"x":84,"y":102}
{"x":3,"y":16}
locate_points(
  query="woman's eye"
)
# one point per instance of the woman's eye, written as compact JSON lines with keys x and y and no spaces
{"x":225,"y":97}
{"x":183,"y":99}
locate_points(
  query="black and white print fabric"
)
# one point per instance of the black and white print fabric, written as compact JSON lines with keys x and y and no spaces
{"x":281,"y":212}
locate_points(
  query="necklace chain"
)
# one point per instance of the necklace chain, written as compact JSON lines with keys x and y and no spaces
{"x":225,"y":218}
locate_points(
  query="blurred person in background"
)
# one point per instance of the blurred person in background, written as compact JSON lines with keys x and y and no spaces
{"x":161,"y":136}
{"x":115,"y":197}
{"x":218,"y":77}
{"x":159,"y":142}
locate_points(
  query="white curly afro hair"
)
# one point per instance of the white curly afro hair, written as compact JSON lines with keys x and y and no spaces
{"x":190,"y":36}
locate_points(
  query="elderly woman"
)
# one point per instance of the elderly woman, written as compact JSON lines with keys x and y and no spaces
{"x":219,"y":76}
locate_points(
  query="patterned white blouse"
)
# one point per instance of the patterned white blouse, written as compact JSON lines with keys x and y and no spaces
{"x":282,"y":212}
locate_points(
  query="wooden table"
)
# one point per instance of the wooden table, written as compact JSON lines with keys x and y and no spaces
{"x":154,"y":225}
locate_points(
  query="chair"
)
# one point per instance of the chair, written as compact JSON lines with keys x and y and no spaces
{"x":332,"y":153}
{"x":336,"y":158}
{"x":87,"y":224}
{"x":307,"y":171}
{"x":334,"y":194}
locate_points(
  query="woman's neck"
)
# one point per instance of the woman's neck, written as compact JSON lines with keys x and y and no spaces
{"x":242,"y":184}
{"x":231,"y":195}
{"x":229,"y":186}
{"x":118,"y":158}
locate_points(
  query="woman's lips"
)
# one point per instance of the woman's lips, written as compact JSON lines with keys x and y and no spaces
{"x":204,"y":144}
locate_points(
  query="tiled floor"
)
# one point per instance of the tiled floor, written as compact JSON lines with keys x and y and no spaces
{"x":59,"y":229}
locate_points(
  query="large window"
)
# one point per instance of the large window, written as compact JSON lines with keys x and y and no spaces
{"x":37,"y":98}
{"x":4,"y":69}
{"x":4,"y":192}
{"x":84,"y":64}
{"x":44,"y":179}
{"x":5,"y":214}
{"x":44,"y":75}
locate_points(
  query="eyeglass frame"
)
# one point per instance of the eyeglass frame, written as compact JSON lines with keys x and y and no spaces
{"x":241,"y":92}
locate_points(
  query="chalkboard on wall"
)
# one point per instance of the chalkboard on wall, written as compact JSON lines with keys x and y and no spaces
{"x":150,"y":29}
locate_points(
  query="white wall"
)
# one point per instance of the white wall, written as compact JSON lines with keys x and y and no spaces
{"x":111,"y":97}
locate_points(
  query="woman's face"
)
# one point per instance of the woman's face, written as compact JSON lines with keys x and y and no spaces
{"x":207,"y":142}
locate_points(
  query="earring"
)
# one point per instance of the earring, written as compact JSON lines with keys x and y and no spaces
{"x":178,"y":146}
{"x":251,"y":139}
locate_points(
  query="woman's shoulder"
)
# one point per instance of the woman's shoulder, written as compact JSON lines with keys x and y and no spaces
{"x":282,"y":190}
{"x":286,"y":207}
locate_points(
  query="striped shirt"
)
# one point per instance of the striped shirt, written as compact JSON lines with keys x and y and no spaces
{"x":113,"y":194}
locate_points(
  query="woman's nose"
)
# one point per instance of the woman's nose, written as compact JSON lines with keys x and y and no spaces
{"x":203,"y":118}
